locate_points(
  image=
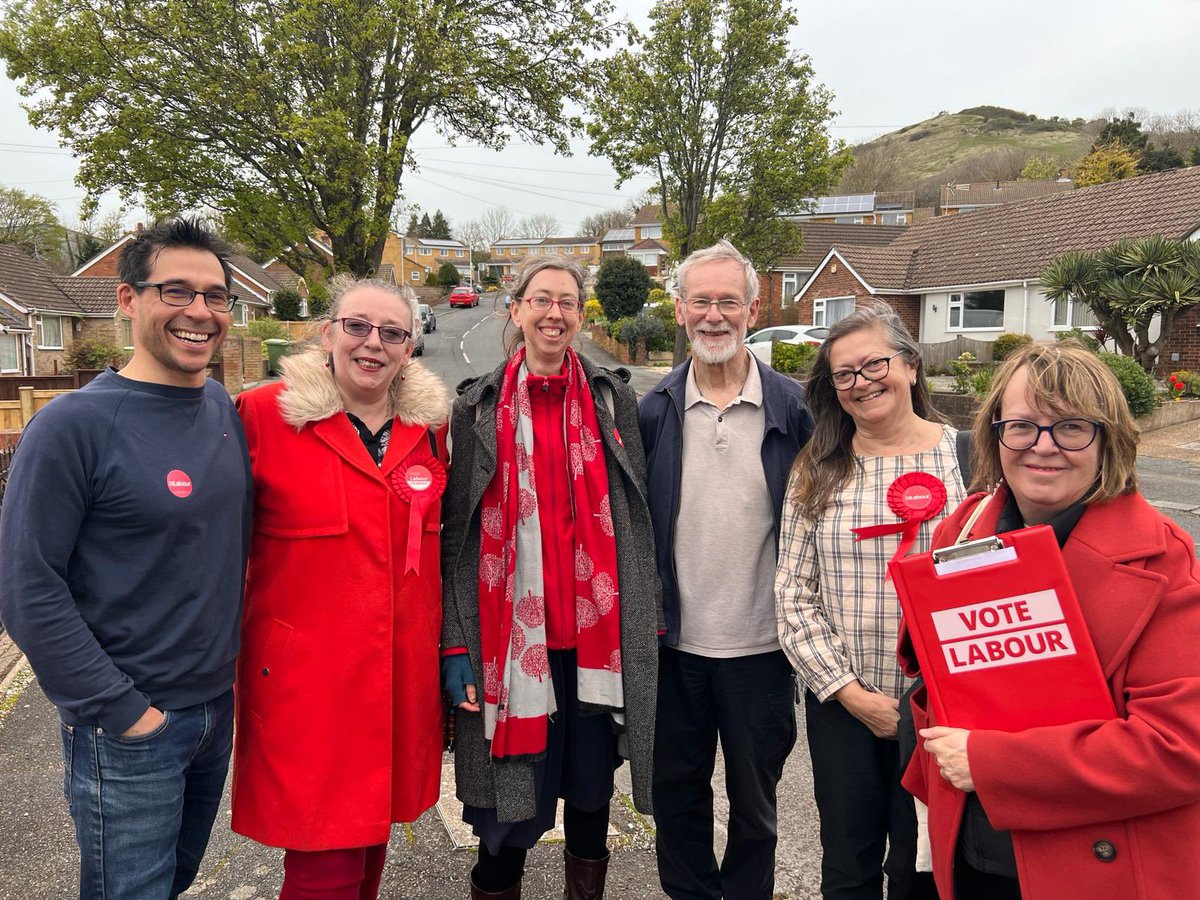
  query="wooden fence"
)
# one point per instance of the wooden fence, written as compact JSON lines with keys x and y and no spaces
{"x":15,"y":414}
{"x":937,"y":355}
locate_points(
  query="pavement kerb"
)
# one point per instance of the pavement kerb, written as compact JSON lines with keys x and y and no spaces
{"x":11,"y":661}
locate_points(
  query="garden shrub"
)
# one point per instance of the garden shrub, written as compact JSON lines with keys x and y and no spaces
{"x":287,"y":305}
{"x":793,"y":359}
{"x":622,"y":286}
{"x":981,"y":381}
{"x":1138,"y":387}
{"x":657,"y":296}
{"x":1184,"y":383}
{"x":592,"y":310}
{"x":963,"y":371}
{"x":267,"y":328}
{"x":1008,"y":342}
{"x":92,"y":354}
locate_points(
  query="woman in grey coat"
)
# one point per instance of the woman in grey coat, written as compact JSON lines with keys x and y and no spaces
{"x":551,"y":602}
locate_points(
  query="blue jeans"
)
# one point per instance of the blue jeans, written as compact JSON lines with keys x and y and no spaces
{"x":143,"y":808}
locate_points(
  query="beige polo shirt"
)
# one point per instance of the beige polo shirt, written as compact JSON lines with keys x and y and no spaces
{"x":725,"y":530}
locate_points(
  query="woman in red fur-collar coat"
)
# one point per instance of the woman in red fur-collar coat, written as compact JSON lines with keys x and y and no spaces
{"x":339,"y":728}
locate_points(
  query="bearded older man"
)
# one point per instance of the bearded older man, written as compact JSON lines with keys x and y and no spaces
{"x":720,"y":433}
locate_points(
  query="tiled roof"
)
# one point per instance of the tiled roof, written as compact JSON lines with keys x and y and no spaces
{"x":1017,"y":241}
{"x":650,"y":214}
{"x":28,"y":281}
{"x":820,"y":236}
{"x":650,"y":244}
{"x":95,"y":295}
{"x":286,"y":279}
{"x":256,"y":271}
{"x":989,"y":193}
{"x":248,"y":292}
{"x":10,"y":320}
{"x":895,"y":199}
{"x":387,"y":272}
{"x":569,"y":240}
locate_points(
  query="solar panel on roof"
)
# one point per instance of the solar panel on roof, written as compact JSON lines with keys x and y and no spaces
{"x":845,"y":203}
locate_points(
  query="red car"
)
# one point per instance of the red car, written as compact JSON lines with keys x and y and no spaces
{"x":464,"y":295}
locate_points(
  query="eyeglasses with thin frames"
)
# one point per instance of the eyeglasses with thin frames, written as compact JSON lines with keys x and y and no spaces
{"x":179,"y":295}
{"x":567,"y":305}
{"x":389,"y":334}
{"x":1067,"y":434}
{"x":871,"y":370}
{"x":700,"y":306}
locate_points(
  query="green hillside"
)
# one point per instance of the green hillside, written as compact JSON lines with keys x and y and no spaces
{"x":976,"y":144}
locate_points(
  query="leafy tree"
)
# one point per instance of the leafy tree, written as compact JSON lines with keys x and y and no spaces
{"x":1039,"y":168}
{"x":27,"y":221}
{"x":287,"y":305}
{"x":622,"y":287}
{"x":292,"y":117}
{"x":714,"y":102}
{"x":542,"y":225}
{"x":599,"y":224}
{"x":1194,"y":156}
{"x":1160,"y":158}
{"x":318,"y":300}
{"x":93,"y":236}
{"x":1126,"y":131}
{"x":1110,"y":162}
{"x":1128,"y":285}
{"x":440,"y":227}
{"x":448,"y":275}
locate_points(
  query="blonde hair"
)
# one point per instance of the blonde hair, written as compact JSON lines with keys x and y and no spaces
{"x":343,"y":283}
{"x":1066,"y":379}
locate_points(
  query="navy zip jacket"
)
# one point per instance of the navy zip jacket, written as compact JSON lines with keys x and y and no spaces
{"x":789,"y":425}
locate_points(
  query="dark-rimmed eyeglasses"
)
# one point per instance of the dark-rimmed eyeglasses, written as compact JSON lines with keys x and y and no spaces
{"x":172,"y":294}
{"x":1067,"y":434}
{"x":871,"y":370}
{"x":699,"y":306}
{"x":567,"y":306}
{"x":389,"y":334}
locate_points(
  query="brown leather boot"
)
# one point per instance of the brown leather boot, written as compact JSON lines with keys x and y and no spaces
{"x":585,"y":877}
{"x":511,"y":893}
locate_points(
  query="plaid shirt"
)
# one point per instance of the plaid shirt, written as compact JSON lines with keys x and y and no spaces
{"x":838,"y":617}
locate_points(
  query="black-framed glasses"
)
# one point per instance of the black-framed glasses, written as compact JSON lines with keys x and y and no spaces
{"x":1067,"y":434}
{"x":699,"y":306}
{"x":219,"y":300}
{"x":871,"y":370}
{"x":567,"y":305}
{"x":389,"y":334}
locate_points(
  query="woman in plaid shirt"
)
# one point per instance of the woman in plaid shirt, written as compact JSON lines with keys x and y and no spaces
{"x":838,"y":615}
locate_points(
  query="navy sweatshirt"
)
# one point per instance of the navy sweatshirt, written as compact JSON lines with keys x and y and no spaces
{"x":123,"y":541}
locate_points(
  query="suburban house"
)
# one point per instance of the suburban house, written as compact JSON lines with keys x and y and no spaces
{"x":414,"y":259}
{"x":875,"y":208}
{"x":616,"y":241}
{"x":38,"y":322}
{"x":977,"y":275}
{"x":507,"y":254}
{"x":960,"y":198}
{"x":779,"y":285}
{"x":643,"y":240}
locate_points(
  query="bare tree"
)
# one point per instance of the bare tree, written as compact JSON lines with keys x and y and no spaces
{"x":497,"y":223}
{"x":876,"y":167}
{"x":542,"y":225}
{"x":599,"y":224}
{"x":473,"y":234}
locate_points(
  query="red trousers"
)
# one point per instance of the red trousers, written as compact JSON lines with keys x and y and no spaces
{"x":352,"y":874}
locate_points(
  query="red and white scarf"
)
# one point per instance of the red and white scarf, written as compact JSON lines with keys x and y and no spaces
{"x":518,"y":696}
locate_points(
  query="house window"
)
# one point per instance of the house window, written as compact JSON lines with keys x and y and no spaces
{"x":651,"y":231}
{"x":849,"y":220}
{"x":827,"y":310}
{"x":125,"y":333}
{"x":900,"y":218}
{"x":426,"y":251}
{"x":50,"y":332}
{"x":239,"y":315}
{"x":791,"y":284}
{"x":1073,"y":314}
{"x":10,"y":353}
{"x":571,"y":250}
{"x":458,"y":253}
{"x":416,"y":276}
{"x":976,"y":309}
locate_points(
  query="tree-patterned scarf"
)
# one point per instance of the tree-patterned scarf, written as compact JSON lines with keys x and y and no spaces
{"x":518,"y":695}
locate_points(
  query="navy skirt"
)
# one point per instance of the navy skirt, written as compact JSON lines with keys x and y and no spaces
{"x":581,"y":756}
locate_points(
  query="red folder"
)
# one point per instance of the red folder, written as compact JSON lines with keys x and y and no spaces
{"x":999,"y":635}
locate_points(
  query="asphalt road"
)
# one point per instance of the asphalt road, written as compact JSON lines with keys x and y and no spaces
{"x":37,"y":851}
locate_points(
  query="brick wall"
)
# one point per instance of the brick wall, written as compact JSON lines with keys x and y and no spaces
{"x":105,"y":266}
{"x":829,"y":283}
{"x":241,"y":362}
{"x":1184,"y":340}
{"x":771,"y":310}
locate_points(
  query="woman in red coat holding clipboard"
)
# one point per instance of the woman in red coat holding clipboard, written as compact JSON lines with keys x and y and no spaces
{"x":339,"y":726}
{"x":1097,"y":808}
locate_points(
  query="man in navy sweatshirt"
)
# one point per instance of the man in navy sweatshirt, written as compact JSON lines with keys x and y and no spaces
{"x":123,"y":545}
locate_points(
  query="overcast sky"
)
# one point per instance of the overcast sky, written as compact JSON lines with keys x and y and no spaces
{"x":889,"y":64}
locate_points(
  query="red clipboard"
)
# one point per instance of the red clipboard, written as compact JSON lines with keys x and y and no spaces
{"x":999,"y":634}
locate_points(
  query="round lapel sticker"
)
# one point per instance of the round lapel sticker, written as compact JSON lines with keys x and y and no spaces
{"x":179,"y":483}
{"x":418,"y":478}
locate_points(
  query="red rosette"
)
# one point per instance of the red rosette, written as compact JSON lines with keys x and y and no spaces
{"x":915,"y":497}
{"x":420,"y":480}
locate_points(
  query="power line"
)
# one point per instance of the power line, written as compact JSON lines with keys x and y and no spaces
{"x":521,"y":184}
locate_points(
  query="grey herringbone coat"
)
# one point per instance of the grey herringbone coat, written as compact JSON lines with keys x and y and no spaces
{"x":508,"y":786}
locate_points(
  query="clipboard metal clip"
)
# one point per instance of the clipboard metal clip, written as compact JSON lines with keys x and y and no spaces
{"x":967,"y":549}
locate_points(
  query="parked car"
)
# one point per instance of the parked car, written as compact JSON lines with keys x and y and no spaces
{"x":428,"y":319}
{"x":419,"y":345}
{"x":464,"y":295}
{"x":761,"y":341}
